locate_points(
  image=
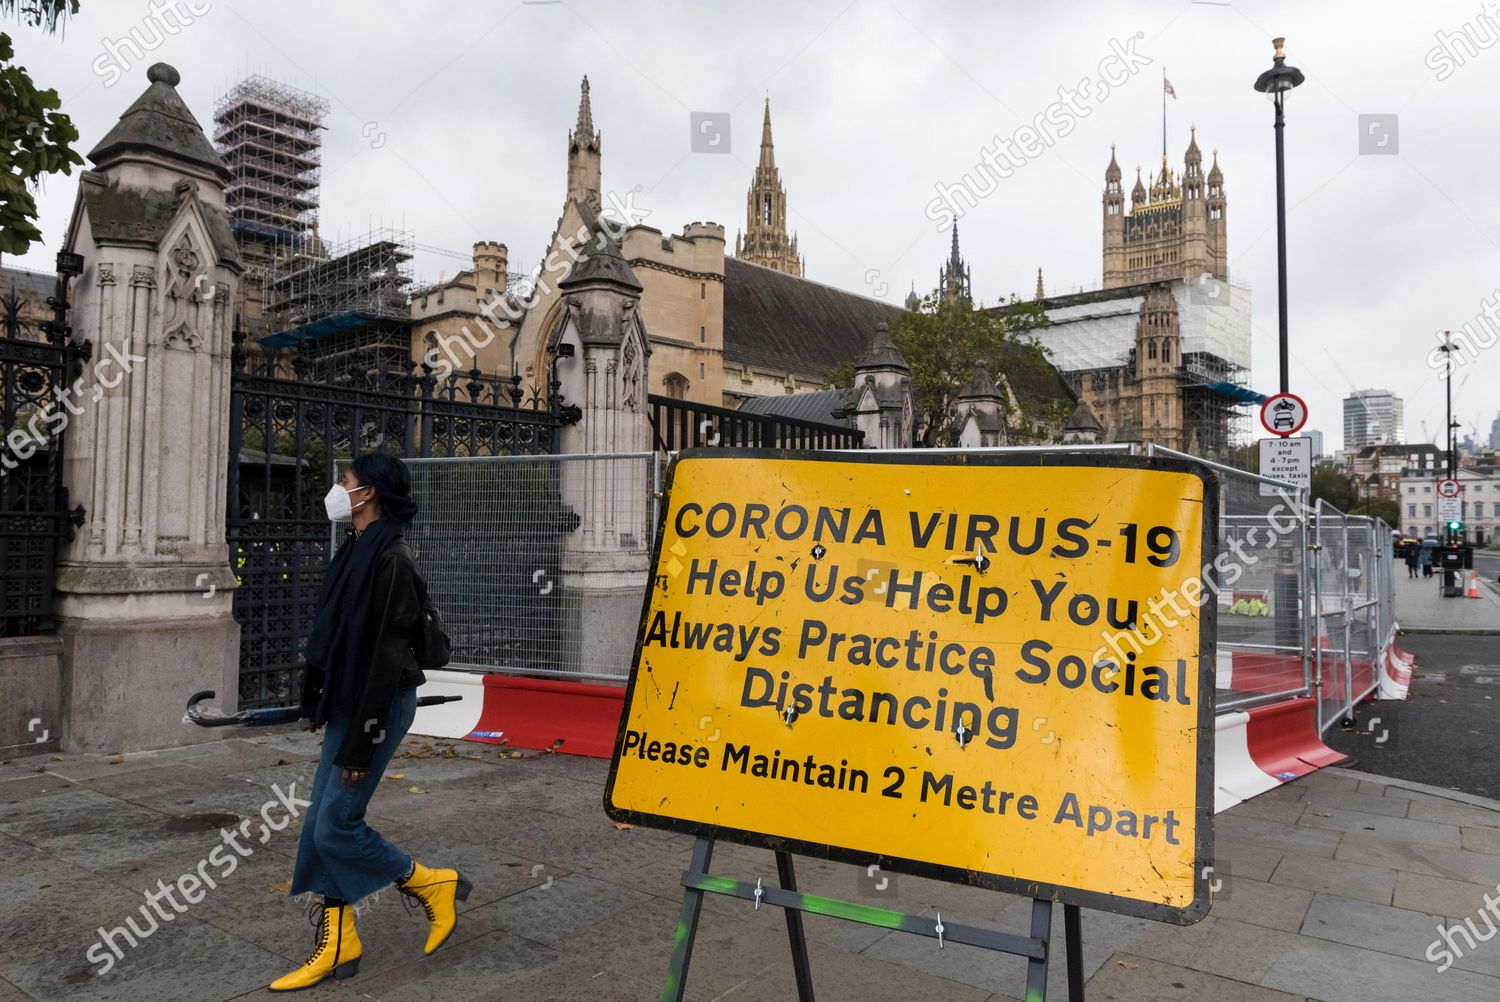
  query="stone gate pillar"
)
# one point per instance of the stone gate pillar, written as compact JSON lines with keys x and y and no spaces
{"x":144,"y":588}
{"x":600,"y":352}
{"x":882,"y":395}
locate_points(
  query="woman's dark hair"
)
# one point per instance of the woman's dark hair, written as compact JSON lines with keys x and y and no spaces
{"x":391,"y":480}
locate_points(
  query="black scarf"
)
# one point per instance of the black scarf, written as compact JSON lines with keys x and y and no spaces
{"x":344,"y":623}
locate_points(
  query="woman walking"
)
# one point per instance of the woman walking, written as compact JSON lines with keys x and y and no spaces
{"x":362,"y":683}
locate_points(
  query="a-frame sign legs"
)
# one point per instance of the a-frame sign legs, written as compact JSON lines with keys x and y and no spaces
{"x":1038,"y":948}
{"x":1073,"y":927}
{"x":687,"y":925}
{"x":788,"y":878}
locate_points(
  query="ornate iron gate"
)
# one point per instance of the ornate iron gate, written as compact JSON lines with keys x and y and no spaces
{"x":288,"y":430}
{"x":39,"y":364}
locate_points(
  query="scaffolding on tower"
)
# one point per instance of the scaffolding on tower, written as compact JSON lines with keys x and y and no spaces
{"x":269,"y":136}
{"x":347,"y":305}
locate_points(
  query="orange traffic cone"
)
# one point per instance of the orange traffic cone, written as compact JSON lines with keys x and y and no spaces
{"x":1473,"y":584}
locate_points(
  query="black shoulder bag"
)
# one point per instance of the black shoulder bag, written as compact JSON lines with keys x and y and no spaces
{"x":429,"y":645}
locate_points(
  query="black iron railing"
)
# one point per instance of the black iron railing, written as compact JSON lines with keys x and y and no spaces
{"x":291,"y":421}
{"x":682,"y":424}
{"x":38,"y":362}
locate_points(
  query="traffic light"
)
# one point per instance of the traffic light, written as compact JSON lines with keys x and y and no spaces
{"x":1455,"y":526}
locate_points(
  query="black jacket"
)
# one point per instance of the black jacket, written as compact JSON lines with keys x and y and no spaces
{"x":393,"y":668}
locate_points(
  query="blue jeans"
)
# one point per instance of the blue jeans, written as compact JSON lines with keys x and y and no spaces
{"x":340,"y":855}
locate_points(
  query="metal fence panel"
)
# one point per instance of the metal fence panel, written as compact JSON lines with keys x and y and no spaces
{"x":529,"y":557}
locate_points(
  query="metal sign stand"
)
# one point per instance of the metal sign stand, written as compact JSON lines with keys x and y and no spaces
{"x":1036,"y":948}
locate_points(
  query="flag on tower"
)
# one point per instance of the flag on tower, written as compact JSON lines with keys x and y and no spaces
{"x":1166,"y":86}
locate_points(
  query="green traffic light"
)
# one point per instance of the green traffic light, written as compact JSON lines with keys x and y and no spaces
{"x":1455,"y":526}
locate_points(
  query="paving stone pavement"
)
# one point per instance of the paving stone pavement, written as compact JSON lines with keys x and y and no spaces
{"x":1421,"y":608}
{"x":1334,"y":888}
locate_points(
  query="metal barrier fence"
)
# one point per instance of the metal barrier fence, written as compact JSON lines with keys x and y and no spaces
{"x":540,"y":565}
{"x":531,"y":558}
{"x":1354,"y":588}
{"x":1306,"y":600}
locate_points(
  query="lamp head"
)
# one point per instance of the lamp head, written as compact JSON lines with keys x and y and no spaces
{"x":1280,"y":77}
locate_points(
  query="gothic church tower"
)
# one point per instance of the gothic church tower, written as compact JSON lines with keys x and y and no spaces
{"x":1158,"y":354}
{"x":1175,"y":230}
{"x":765,"y":240}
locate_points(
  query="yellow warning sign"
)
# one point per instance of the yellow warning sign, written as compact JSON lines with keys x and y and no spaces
{"x":937,"y":663}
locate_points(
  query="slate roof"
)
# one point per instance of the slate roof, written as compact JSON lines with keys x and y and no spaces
{"x":30,"y":286}
{"x":813,"y":405}
{"x":782,"y":322}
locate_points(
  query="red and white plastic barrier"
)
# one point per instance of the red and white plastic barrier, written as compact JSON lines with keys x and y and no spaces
{"x":576,"y":718}
{"x":450,"y":720}
{"x":1259,"y":749}
{"x":1236,"y":776}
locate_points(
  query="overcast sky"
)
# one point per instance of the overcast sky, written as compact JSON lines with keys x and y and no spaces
{"x":451,"y":119}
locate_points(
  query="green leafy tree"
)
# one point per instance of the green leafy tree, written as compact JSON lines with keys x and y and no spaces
{"x":35,"y":137}
{"x":943,"y":340}
{"x":1331,"y":485}
{"x":1382,"y":508}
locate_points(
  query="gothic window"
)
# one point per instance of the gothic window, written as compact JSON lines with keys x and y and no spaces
{"x":701,"y":370}
{"x":765,"y":211}
{"x":702,"y":290}
{"x":1167,"y":407}
{"x":1153,"y":411}
{"x":1166,"y":353}
{"x":702,"y":334}
{"x":677,"y":385}
{"x":1151,"y":350}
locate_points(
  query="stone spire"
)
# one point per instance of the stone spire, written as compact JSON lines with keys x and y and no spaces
{"x":953,"y":277}
{"x":583,"y":156}
{"x":767,"y":147}
{"x":1041,"y":292}
{"x":585,"y":125}
{"x":765,"y":240}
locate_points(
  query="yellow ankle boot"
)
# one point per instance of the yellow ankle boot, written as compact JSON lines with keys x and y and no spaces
{"x":436,"y":891}
{"x":337,"y":952}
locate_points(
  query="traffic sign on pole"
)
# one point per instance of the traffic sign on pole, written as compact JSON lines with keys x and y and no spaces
{"x":1286,"y":459}
{"x":1283,"y":414}
{"x":1448,"y":488}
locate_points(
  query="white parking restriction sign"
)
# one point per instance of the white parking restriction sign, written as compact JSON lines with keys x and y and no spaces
{"x":1287,"y":459}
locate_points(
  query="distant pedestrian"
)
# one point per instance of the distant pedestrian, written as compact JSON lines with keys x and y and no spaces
{"x":362,"y":682}
{"x":1426,"y":559}
{"x":1411,"y":561}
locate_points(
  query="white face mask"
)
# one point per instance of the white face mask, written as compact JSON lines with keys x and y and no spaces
{"x":336,"y":501}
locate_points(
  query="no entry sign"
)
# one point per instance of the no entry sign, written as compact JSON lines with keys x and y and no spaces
{"x":942,"y":664}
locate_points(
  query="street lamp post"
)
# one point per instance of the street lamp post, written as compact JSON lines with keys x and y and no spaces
{"x":1276,"y":81}
{"x":1289,"y":633}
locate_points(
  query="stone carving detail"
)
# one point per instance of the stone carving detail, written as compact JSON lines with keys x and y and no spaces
{"x":187,"y":287}
{"x":631,"y":375}
{"x":106,"y":273}
{"x":142,"y":277}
